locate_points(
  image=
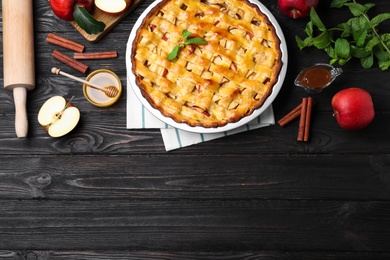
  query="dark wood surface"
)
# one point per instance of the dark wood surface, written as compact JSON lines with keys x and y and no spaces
{"x":107,"y":192}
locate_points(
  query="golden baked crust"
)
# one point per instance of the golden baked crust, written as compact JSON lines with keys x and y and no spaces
{"x":213,"y":84}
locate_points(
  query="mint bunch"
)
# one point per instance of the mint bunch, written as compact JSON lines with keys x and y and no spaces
{"x":184,"y":42}
{"x":358,"y":37}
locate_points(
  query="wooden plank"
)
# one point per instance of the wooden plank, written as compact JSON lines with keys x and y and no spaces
{"x":106,"y":192}
{"x":109,"y":19}
{"x":196,"y":225}
{"x":151,"y":255}
{"x":193,"y":177}
{"x":104,"y":132}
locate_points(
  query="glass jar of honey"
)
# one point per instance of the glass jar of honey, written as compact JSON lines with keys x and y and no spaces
{"x":103,"y":78}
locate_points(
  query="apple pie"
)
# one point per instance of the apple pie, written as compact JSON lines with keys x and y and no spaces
{"x":213,"y":83}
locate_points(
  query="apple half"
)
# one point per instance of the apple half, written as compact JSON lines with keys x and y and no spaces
{"x":58,"y":116}
{"x":112,"y":6}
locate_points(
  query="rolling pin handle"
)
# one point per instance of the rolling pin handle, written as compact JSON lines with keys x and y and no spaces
{"x":21,"y":120}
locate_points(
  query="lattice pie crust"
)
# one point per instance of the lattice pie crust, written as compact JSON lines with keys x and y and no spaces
{"x":213,"y":84}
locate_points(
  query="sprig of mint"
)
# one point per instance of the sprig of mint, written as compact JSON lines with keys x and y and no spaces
{"x":358,"y":37}
{"x":184,"y":42}
{"x":87,"y":22}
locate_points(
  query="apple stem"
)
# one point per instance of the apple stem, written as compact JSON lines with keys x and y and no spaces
{"x":59,"y":114}
{"x":68,"y":103}
{"x":335,"y":113}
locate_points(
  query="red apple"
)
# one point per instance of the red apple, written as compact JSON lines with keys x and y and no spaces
{"x":297,"y":8}
{"x":113,"y":6}
{"x":80,"y":12}
{"x":64,"y":9}
{"x":353,"y":108}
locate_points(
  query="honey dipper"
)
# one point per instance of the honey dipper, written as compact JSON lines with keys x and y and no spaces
{"x":110,"y":91}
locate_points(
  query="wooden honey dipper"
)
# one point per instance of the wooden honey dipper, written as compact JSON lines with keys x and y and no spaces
{"x":110,"y":91}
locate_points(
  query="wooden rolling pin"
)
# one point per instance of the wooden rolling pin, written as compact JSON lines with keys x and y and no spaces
{"x":18,"y":55}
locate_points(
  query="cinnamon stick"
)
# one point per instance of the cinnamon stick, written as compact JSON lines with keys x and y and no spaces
{"x":64,"y":42}
{"x":77,"y":65}
{"x":302,"y":121}
{"x":95,"y":55}
{"x":290,"y":116}
{"x":308,"y":119}
{"x":296,"y":112}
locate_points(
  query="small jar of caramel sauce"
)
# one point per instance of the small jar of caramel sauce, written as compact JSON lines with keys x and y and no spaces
{"x":316,"y":78}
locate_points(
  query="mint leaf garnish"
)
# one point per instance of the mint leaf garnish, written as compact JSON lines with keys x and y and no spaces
{"x":185,"y":35}
{"x":173,"y":54}
{"x":87,"y":22}
{"x":195,"y":41}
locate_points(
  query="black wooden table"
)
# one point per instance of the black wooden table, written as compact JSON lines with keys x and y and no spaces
{"x":107,"y":192}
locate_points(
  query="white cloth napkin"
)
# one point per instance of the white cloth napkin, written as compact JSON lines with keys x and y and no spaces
{"x":139,"y":117}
